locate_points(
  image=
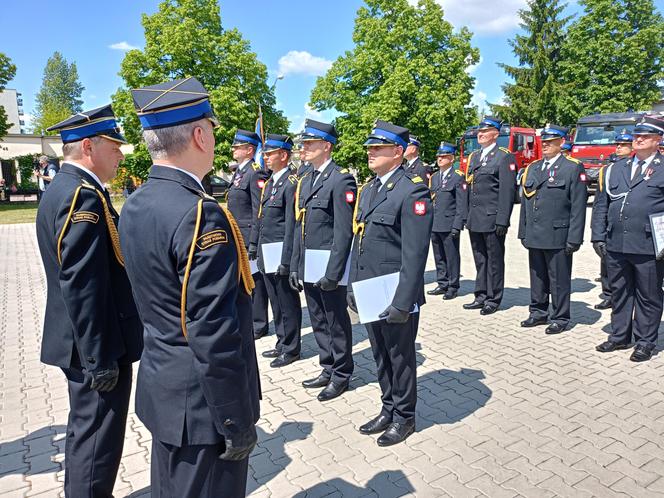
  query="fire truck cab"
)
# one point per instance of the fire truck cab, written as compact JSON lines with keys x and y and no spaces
{"x":524,"y":143}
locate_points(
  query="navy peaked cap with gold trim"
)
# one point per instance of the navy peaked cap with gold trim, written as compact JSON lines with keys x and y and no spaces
{"x":315,"y":130}
{"x":99,"y":122}
{"x":552,"y":132}
{"x":172,"y":103}
{"x":385,"y":133}
{"x":446,"y":148}
{"x":243,"y":137}
{"x":275,"y":142}
{"x":490,"y":122}
{"x":649,"y":125}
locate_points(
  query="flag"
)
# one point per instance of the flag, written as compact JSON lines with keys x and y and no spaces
{"x":258,"y":157}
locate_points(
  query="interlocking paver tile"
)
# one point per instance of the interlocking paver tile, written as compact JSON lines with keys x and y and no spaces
{"x":501,"y":410}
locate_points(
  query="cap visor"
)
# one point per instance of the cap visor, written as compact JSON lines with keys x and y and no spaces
{"x":115,"y":136}
{"x":377,"y":142}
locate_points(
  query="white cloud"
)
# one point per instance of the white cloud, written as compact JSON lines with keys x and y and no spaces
{"x":483,"y":17}
{"x":471,"y":69}
{"x":297,"y":120}
{"x":123,"y":45}
{"x":302,"y":62}
{"x":479,"y":99}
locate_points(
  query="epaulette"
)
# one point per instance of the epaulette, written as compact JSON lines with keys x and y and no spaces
{"x":87,"y":185}
{"x":292,"y":179}
{"x":208,"y":197}
{"x":505,"y":150}
{"x":574,"y":160}
{"x":416,"y":179}
{"x":459,"y":172}
{"x":344,"y":170}
{"x":256,"y":166}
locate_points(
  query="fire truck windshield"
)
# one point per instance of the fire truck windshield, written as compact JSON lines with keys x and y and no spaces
{"x":470,"y":143}
{"x":600,"y":134}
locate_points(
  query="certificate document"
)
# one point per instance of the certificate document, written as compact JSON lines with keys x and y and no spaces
{"x":374,"y":295}
{"x":315,"y":264}
{"x":657,"y":228}
{"x":272,"y":256}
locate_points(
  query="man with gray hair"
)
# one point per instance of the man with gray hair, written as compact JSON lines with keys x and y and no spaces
{"x":45,"y":172}
{"x":198,"y":388}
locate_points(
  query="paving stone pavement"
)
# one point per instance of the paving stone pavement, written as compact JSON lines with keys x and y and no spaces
{"x":502,"y":411}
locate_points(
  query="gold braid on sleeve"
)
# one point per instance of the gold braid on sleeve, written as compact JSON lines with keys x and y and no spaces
{"x":112,"y":230}
{"x":244,"y":269}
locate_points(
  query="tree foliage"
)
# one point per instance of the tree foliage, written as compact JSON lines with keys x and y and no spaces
{"x":7,"y":72}
{"x":613,"y":58}
{"x":408,"y":67}
{"x":186,"y":38}
{"x":534,"y":97}
{"x":60,"y":94}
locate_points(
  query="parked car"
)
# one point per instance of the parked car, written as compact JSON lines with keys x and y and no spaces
{"x":215,"y":185}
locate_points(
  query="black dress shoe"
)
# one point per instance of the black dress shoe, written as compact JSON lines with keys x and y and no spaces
{"x":450,"y":294}
{"x":259,"y":333}
{"x":534,"y":322}
{"x":488,"y":309}
{"x":332,"y":391}
{"x":437,"y":291}
{"x":270,"y":353}
{"x":641,"y":353}
{"x":475,"y":305}
{"x":598,"y":279}
{"x":376,"y":425}
{"x":554,"y":328}
{"x":284,"y":359}
{"x":396,"y":433}
{"x":604,"y":305}
{"x":320,"y":381}
{"x":608,"y":347}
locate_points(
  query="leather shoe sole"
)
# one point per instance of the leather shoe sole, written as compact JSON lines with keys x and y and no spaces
{"x":449,"y":295}
{"x":488,"y":310}
{"x":284,"y":359}
{"x":319,"y":381}
{"x":333,"y":390}
{"x":554,"y":328}
{"x":395,"y":434}
{"x":534,"y":322}
{"x":376,"y":425}
{"x":475,"y":305}
{"x":608,"y":347}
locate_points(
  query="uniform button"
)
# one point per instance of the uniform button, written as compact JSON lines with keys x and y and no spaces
{"x":361,"y":267}
{"x":536,"y":209}
{"x":534,"y":219}
{"x":625,"y":231}
{"x":382,"y":219}
{"x":228,"y":422}
{"x":122,"y":315}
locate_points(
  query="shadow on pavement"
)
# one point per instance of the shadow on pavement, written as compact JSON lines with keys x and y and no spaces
{"x":388,"y":483}
{"x":32,"y":454}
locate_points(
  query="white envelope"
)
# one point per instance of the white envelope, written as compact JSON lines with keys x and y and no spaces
{"x":374,"y":295}
{"x":253,"y":264}
{"x":315,"y":265}
{"x":272,"y":256}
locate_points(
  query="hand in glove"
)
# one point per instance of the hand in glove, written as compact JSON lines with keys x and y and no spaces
{"x":283,"y":270}
{"x":105,"y":379}
{"x":325,"y":284}
{"x":571,"y":248}
{"x":393,"y":315}
{"x":600,"y":248}
{"x":252,"y":252}
{"x":501,"y":230}
{"x":350,"y":301}
{"x":239,"y":445}
{"x":294,"y":282}
{"x":455,"y":233}
{"x":523,"y":243}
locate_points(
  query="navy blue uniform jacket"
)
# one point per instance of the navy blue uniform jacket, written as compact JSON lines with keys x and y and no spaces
{"x":450,"y":201}
{"x":244,"y":197}
{"x":196,"y":389}
{"x":90,"y":318}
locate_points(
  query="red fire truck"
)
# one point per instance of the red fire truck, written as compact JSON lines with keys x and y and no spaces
{"x":524,"y":143}
{"x":594,"y":137}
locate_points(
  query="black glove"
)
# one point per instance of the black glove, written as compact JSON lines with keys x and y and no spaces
{"x":454,"y":233}
{"x":600,"y":248}
{"x":325,"y":284}
{"x":523,"y":243}
{"x":283,"y":270}
{"x":393,"y":315}
{"x":239,"y":445}
{"x":571,"y":248}
{"x":252,"y":252}
{"x":501,"y":230}
{"x":104,"y":379}
{"x":660,"y":256}
{"x":294,"y":282}
{"x":350,"y":301}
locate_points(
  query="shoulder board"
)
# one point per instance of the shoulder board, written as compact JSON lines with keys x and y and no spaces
{"x":505,"y":150}
{"x":208,"y":197}
{"x":292,"y":179}
{"x":256,"y":166}
{"x":574,"y":160}
{"x":87,"y":185}
{"x":416,"y":179}
{"x":459,"y":172}
{"x":344,"y":170}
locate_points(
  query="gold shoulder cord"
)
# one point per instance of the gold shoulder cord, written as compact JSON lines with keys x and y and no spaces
{"x":358,"y":228}
{"x":601,"y":178}
{"x":523,"y":183}
{"x":260,"y":204}
{"x":112,"y":230}
{"x":299,"y":213}
{"x":469,"y":178}
{"x":244,"y":269}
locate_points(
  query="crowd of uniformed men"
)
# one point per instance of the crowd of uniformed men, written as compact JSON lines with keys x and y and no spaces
{"x":170,"y":282}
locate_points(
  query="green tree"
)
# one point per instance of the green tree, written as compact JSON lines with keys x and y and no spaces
{"x":409,"y":67}
{"x":613,"y":58}
{"x":7,"y":72}
{"x":185,"y":38}
{"x":534,"y":97}
{"x":60,"y":94}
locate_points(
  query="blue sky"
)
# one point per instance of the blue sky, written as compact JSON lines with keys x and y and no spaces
{"x":297,"y":38}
